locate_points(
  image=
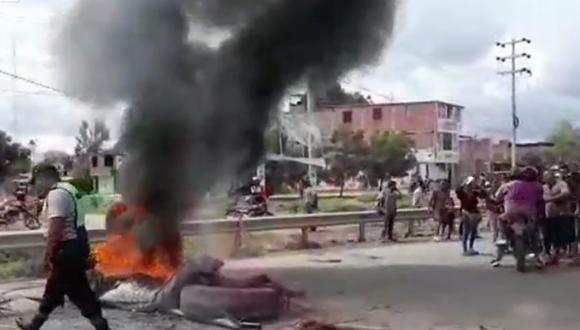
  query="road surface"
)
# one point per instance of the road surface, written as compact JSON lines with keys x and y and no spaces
{"x":420,"y":285}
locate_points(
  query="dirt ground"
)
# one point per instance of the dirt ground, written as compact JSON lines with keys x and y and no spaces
{"x":263,"y":243}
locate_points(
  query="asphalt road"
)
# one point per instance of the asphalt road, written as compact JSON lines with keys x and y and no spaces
{"x":429,"y":286}
{"x":403,"y":286}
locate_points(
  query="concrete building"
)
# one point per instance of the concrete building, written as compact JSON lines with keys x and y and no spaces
{"x":525,"y":153}
{"x":534,"y":149}
{"x":475,"y":155}
{"x":502,"y":155}
{"x":433,"y":126}
{"x":105,"y":169}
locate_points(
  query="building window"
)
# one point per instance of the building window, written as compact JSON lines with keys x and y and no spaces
{"x":457,"y":114}
{"x":95,"y":161}
{"x":377,"y":114}
{"x":442,"y":111}
{"x":447,"y":142}
{"x":446,"y":111}
{"x":109,"y":160}
{"x":347,"y":117}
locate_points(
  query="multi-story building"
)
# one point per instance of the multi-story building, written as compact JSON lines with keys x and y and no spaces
{"x":433,"y":126}
{"x":104,"y":169}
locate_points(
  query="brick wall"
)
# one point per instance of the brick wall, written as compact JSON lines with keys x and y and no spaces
{"x":417,"y":120}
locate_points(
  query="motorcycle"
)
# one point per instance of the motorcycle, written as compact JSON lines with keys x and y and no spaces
{"x":250,"y":205}
{"x":521,"y":235}
{"x":17,"y":210}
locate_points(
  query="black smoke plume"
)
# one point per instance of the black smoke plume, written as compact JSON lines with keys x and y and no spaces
{"x":195,"y":112}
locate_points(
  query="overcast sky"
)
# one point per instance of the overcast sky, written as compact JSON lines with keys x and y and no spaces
{"x":442,"y":49}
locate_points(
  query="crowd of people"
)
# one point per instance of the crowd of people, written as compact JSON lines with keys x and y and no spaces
{"x":542,"y":205}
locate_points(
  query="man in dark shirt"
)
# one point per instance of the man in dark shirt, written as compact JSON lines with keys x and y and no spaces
{"x":390,"y":195}
{"x":469,"y":194}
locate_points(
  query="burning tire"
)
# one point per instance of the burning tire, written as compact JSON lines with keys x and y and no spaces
{"x":244,"y":303}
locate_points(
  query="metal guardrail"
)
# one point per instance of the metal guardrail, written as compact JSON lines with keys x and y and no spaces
{"x":325,"y":195}
{"x":35,"y":239}
{"x":16,"y":240}
{"x":296,"y":221}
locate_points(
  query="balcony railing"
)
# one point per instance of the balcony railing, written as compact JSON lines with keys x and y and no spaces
{"x":445,"y":125}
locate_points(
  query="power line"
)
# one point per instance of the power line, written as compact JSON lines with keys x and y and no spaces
{"x":36,"y":93}
{"x":32,"y":82}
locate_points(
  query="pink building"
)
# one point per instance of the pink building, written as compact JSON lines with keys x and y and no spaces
{"x":433,"y":126}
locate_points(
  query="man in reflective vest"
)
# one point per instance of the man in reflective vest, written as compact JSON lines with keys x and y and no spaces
{"x":67,"y":252}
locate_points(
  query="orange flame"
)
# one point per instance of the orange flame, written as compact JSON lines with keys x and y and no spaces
{"x":120,"y":255}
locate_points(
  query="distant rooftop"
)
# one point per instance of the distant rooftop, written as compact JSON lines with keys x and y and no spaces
{"x":111,"y":146}
{"x":374,"y":105}
{"x":527,"y":144}
{"x":535,"y":144}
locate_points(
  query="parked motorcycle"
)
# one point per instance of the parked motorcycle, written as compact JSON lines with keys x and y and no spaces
{"x":250,"y":205}
{"x":16,"y":210}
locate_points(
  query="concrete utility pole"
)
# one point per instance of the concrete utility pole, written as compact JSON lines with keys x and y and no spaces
{"x":310,"y":109}
{"x":513,"y":71}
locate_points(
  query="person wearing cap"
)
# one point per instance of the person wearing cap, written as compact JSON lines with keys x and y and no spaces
{"x":67,"y":253}
{"x":469,"y":194}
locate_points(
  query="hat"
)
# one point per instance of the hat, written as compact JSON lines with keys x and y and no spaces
{"x":469,"y":180}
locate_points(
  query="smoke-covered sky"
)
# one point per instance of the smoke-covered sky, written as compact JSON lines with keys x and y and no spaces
{"x":442,"y":50}
{"x":195,"y":114}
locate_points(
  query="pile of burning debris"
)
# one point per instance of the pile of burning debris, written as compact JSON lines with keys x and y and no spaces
{"x":157,"y":281}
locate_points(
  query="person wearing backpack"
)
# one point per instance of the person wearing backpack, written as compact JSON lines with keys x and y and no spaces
{"x":67,"y":252}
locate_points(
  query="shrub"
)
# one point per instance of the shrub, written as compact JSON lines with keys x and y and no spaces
{"x":367,"y":198}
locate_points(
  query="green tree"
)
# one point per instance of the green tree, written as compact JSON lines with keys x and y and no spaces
{"x":90,"y":141}
{"x":14,"y":158}
{"x":346,"y":156}
{"x":566,"y":140}
{"x":390,"y":154}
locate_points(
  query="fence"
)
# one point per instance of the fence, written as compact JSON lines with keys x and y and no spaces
{"x":35,"y":239}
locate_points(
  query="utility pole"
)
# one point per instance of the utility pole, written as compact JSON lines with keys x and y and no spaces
{"x":513,"y":72}
{"x":310,"y":109}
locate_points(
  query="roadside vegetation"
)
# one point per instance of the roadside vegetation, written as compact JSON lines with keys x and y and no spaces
{"x":14,"y":266}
